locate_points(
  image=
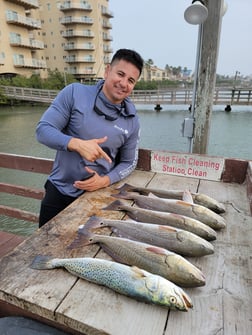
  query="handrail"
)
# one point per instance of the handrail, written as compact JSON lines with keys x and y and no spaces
{"x":23,"y":163}
{"x":173,"y":96}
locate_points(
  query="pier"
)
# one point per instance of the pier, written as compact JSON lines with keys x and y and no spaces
{"x":170,"y":96}
{"x":77,"y":306}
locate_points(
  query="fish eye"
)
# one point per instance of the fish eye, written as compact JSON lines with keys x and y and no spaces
{"x":173,"y":300}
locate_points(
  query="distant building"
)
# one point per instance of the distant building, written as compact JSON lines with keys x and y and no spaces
{"x":153,"y":73}
{"x":39,"y":35}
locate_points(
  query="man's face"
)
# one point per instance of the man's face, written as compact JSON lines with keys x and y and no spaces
{"x":120,"y":79}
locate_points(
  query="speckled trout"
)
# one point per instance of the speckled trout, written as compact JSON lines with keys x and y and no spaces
{"x":130,"y":281}
{"x":165,"y":218}
{"x":174,"y":239}
{"x":198,"y":198}
{"x":151,"y":258}
{"x":201,"y":213}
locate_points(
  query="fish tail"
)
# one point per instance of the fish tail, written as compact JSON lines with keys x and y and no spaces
{"x":124,"y":195}
{"x":41,"y":262}
{"x":84,"y":238}
{"x":114,"y":206}
{"x":126,"y":187}
{"x":94,"y":222}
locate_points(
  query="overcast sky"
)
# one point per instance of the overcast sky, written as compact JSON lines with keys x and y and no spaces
{"x":158,"y":31}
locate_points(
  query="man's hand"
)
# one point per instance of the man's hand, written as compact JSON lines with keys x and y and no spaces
{"x":89,"y":149}
{"x":94,"y":183}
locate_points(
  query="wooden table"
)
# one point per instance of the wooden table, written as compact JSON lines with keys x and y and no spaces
{"x":222,"y":306}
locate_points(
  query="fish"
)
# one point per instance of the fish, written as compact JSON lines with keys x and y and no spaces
{"x":164,"y":218}
{"x":174,"y":239}
{"x":151,"y":258}
{"x":198,"y":198}
{"x":201,"y":213}
{"x":130,"y":281}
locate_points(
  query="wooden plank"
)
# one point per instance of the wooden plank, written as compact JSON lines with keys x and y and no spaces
{"x":18,"y":213}
{"x":106,"y":311}
{"x":25,"y":163}
{"x":8,"y":242}
{"x":59,"y":296}
{"x":171,"y":182}
{"x":227,"y":193}
{"x":53,"y":239}
{"x":22,"y":191}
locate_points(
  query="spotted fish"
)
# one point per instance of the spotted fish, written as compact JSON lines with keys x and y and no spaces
{"x":130,"y":281}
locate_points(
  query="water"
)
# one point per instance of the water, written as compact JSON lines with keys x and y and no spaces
{"x":230,"y":136}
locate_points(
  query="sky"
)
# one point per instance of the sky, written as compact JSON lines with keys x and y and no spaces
{"x":158,"y":31}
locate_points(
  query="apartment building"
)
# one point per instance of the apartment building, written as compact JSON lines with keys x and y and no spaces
{"x":72,"y":36}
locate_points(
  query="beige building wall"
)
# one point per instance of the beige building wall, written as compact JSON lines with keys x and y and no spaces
{"x":71,"y":36}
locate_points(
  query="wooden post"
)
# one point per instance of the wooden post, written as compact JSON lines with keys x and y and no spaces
{"x":207,"y":76}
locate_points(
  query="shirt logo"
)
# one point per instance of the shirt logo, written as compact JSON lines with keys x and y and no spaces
{"x":124,"y":131}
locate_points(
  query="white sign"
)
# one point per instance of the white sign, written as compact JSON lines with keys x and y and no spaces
{"x":187,"y":165}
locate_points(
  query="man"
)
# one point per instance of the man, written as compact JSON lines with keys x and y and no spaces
{"x":95,"y":130}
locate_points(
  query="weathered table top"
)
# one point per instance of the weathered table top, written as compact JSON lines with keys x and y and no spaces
{"x":222,"y":306}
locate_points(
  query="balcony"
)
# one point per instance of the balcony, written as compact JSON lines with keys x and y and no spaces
{"x":107,"y":37}
{"x":107,"y":48}
{"x":14,"y":18}
{"x":76,"y":19}
{"x":106,"y":24}
{"x":73,"y":5}
{"x":84,"y":59}
{"x":27,"y":4}
{"x":79,"y":46}
{"x":20,"y":61}
{"x":107,"y":12}
{"x":77,"y":33}
{"x":26,"y":43}
{"x":81,"y":72}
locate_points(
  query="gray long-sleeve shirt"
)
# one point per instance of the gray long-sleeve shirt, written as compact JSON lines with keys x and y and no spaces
{"x":72,"y":114}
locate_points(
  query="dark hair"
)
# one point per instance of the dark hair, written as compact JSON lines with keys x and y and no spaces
{"x":130,"y":56}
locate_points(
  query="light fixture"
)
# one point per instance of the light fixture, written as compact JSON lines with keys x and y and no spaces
{"x":196,"y":13}
{"x":224,"y":8}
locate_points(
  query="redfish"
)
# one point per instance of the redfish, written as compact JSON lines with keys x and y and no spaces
{"x":174,"y":239}
{"x":201,"y":213}
{"x":145,"y":256}
{"x":130,"y":281}
{"x":165,"y":218}
{"x":198,"y":198}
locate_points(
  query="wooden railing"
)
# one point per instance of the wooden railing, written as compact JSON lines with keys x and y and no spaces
{"x":171,"y":96}
{"x":24,"y":163}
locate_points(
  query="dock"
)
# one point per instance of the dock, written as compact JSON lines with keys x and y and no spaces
{"x":55,"y":297}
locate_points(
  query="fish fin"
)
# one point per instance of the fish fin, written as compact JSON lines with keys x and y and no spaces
{"x":156,"y":250}
{"x":42,"y":262}
{"x":187,"y":197}
{"x":168,"y":228}
{"x":138,"y":273}
{"x":84,"y":238}
{"x":114,"y":206}
{"x":152,"y":195}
